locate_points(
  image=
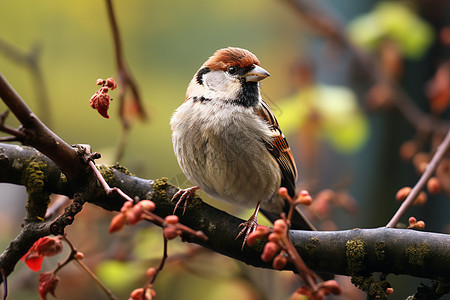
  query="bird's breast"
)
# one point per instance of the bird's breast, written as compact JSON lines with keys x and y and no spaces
{"x":222,"y":150}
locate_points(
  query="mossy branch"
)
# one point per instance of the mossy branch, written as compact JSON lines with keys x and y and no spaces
{"x":350,"y":252}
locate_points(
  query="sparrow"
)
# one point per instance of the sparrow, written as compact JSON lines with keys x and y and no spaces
{"x":228,"y":142}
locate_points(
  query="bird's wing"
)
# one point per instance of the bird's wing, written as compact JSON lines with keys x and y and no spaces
{"x":279,"y":148}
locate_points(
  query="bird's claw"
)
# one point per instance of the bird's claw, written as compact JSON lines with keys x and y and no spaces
{"x":247,"y":228}
{"x":185,"y":196}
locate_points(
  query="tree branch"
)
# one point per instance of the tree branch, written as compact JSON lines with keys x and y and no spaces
{"x":399,"y":251}
{"x":429,"y":171}
{"x":126,"y":80}
{"x":39,"y":136}
{"x":30,"y":233}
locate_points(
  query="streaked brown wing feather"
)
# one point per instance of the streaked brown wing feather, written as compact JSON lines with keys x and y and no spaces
{"x":279,"y":148}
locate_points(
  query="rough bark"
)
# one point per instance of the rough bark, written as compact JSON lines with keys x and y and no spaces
{"x":350,"y":252}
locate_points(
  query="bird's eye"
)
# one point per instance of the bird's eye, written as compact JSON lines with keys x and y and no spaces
{"x":232,"y":70}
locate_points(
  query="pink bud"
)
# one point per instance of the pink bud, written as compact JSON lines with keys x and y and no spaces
{"x":420,"y":225}
{"x":79,"y":255}
{"x":171,"y":232}
{"x":172,"y":219}
{"x":151,"y":272}
{"x":283,"y":192}
{"x":259,"y":233}
{"x":126,"y":205}
{"x":305,"y":200}
{"x":412,"y":221}
{"x":117,"y":223}
{"x":280,"y":226}
{"x":274,"y":237}
{"x":304,"y":193}
{"x":331,"y":286}
{"x":132,"y":216}
{"x":148,"y":205}
{"x":434,"y":186}
{"x":403,"y":193}
{"x":270,"y":249}
{"x":279,"y":262}
{"x":111,"y":83}
{"x":137,"y":294}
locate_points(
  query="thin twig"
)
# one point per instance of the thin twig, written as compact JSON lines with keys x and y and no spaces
{"x":161,"y":264}
{"x":121,"y":144}
{"x":105,"y":185}
{"x":9,"y":139}
{"x":304,"y":272}
{"x":17,"y":135}
{"x":31,"y":60}
{"x":149,"y":216}
{"x":60,"y":202}
{"x":72,"y":257}
{"x":96,"y":279}
{"x":125,"y":81}
{"x":431,"y":167}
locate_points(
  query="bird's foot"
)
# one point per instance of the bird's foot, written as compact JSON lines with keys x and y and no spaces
{"x":247,"y":228}
{"x":185,"y":196}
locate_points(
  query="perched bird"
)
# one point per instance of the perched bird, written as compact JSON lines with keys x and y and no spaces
{"x":228,"y":142}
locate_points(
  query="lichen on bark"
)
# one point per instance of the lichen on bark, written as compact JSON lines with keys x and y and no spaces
{"x":34,"y":179}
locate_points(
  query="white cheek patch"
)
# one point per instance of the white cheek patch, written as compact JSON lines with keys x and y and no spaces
{"x":214,"y":80}
{"x":224,"y":85}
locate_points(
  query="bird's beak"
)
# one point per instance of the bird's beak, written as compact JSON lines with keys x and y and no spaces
{"x":256,"y":74}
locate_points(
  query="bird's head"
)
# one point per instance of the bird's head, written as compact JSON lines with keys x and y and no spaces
{"x":231,"y":75}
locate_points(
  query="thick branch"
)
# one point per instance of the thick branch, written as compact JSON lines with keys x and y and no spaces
{"x":421,"y":254}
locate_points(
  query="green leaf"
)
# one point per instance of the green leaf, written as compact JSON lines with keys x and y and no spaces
{"x":396,"y":21}
{"x":331,"y":112}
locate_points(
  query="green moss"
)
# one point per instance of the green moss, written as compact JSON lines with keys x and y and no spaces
{"x":417,"y":254}
{"x":311,"y":247}
{"x":63,"y":178}
{"x":375,"y":289}
{"x":107,"y":173}
{"x":355,"y":252}
{"x":380,"y":250}
{"x":159,"y":186}
{"x":34,"y":181}
{"x":363,"y":282}
{"x":121,"y":169}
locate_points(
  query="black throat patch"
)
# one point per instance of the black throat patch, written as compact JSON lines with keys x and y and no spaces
{"x":248,"y":95}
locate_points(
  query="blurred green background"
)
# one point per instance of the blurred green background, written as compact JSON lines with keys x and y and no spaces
{"x":165,"y":42}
